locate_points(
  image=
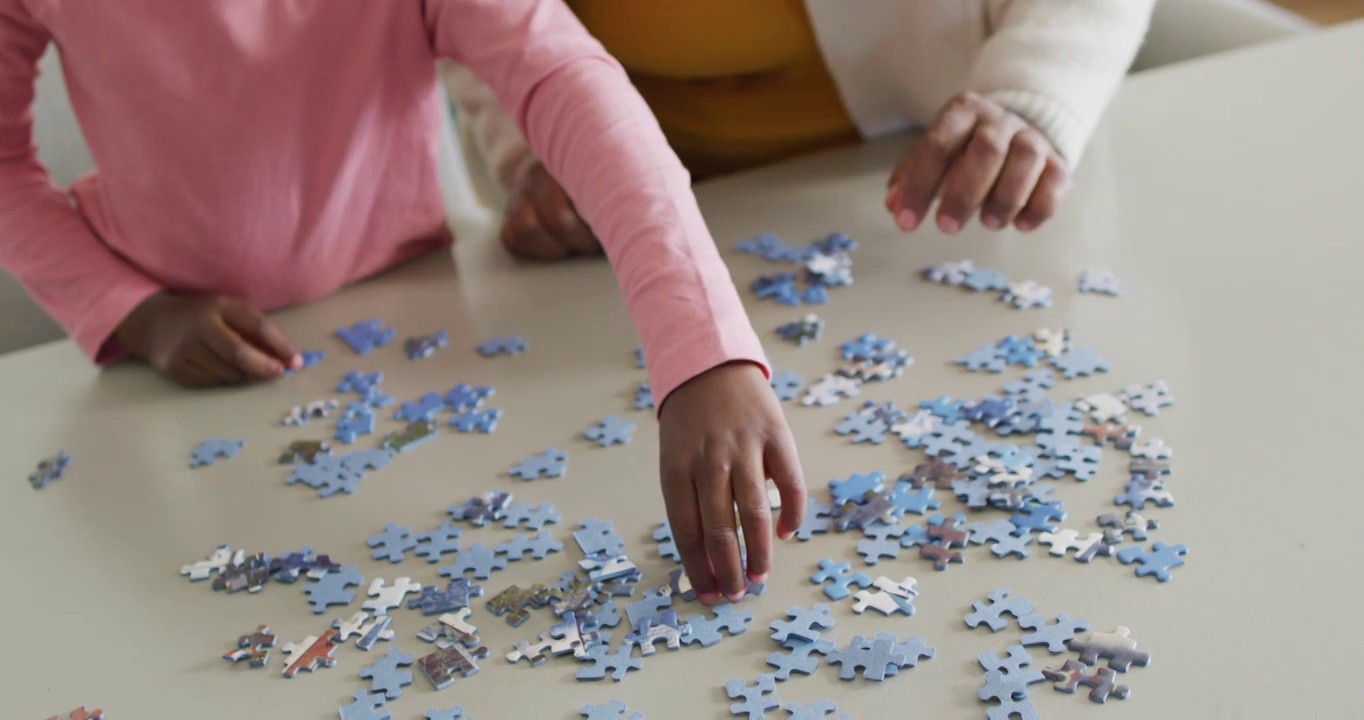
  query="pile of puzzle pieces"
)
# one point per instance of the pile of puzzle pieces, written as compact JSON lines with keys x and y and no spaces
{"x":825,"y":263}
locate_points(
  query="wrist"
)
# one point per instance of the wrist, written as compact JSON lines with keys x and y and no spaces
{"x":131,"y":333}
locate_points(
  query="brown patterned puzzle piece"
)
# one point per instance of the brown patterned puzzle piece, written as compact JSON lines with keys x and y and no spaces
{"x":1105,"y":432}
{"x":936,"y":472}
{"x":941,"y":555}
{"x":513,"y":602}
{"x":254,"y":647}
{"x":1103,"y":682}
{"x":250,"y":575}
{"x":442,"y":665}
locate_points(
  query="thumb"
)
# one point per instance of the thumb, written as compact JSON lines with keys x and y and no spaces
{"x":256,"y":329}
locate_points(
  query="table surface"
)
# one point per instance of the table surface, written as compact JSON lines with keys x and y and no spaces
{"x":1225,"y":193}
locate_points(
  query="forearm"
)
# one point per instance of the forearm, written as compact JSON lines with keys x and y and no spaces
{"x":1057,"y":63}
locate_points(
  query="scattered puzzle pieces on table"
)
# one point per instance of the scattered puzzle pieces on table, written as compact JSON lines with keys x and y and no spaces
{"x":612,"y":430}
{"x":210,"y":451}
{"x":514,"y":345}
{"x":366,"y":337}
{"x":805,"y":625}
{"x":479,"y":421}
{"x":1157,"y":561}
{"x":386,"y":675}
{"x":879,"y":657}
{"x":644,"y":397}
{"x":830,"y":389}
{"x":800,"y":332}
{"x":551,"y":463}
{"x":757,"y":699}
{"x":50,"y":469}
{"x":392,"y":544}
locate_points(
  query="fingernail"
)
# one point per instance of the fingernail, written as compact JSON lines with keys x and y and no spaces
{"x":906,"y":220}
{"x":786,"y":534}
{"x":709,"y":598}
{"x":736,"y":597}
{"x":948,"y":225}
{"x":990,"y":221}
{"x":758,"y":579}
{"x":891,"y":196}
{"x":1023,"y":225}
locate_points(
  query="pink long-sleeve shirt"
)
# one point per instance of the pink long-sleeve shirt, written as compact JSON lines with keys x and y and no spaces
{"x":276,"y":150}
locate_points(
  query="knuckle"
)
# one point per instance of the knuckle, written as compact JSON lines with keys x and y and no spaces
{"x":1027,"y":147}
{"x":718,"y":535}
{"x":991,"y":142}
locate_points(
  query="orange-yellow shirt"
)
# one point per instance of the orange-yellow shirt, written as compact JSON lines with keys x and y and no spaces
{"x":733,"y":84}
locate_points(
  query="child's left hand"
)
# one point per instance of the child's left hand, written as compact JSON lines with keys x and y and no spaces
{"x":977,"y":156}
{"x":721,"y":435}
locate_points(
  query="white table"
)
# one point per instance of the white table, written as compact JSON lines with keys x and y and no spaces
{"x":1225,"y":193}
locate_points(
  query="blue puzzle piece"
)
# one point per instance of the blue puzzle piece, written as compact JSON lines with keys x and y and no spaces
{"x":866,"y":346}
{"x":330,"y":589}
{"x":610,"y":431}
{"x":209,"y":451}
{"x":706,"y":630}
{"x":946,"y":408}
{"x":1007,"y":678}
{"x":1138,"y":492}
{"x":433,"y":544}
{"x":855,"y":487}
{"x":365,"y":707}
{"x":787,"y":385}
{"x":1080,"y":363}
{"x":816,"y":521}
{"x":476,"y":558}
{"x":605,"y":662}
{"x":667,"y":549}
{"x":386,"y":676}
{"x":532,"y":517}
{"x":434,"y":601}
{"x":639,"y":357}
{"x":804,"y":626}
{"x":991,"y":614}
{"x":991,"y":411}
{"x":985,"y":280}
{"x":551,"y":463}
{"x":360,"y":383}
{"x":1158,"y":561}
{"x":1082,"y":462}
{"x":948,"y":437}
{"x":421,"y":409}
{"x":613,"y":710}
{"x":1020,"y":351}
{"x":481,"y":421}
{"x":366,"y":337}
{"x":757,"y":699}
{"x":840,"y":576}
{"x":1037,"y":517}
{"x":454,"y":713}
{"x":392,"y":544}
{"x":357,"y":420}
{"x":907,"y":499}
{"x":464,"y":397}
{"x":539,"y":546}
{"x":514,"y":345}
{"x":597,"y":537}
{"x":644,"y":397}
{"x":879,"y":657}
{"x":986,"y":357}
{"x":648,"y":608}
{"x":883,"y":542}
{"x":815,"y":711}
{"x":1054,"y":635}
{"x":309,"y":359}
{"x":780,"y":287}
{"x":800,"y":659}
{"x":424,"y":346}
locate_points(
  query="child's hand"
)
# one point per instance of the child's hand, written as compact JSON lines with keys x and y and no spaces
{"x":721,"y":435}
{"x":978,"y":156}
{"x":201,"y":340}
{"x":541,"y":223}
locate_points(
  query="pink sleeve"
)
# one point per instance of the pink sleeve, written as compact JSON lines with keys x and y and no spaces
{"x":585,"y":121}
{"x":44,"y":242}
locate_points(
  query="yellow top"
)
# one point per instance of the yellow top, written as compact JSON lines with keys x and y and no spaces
{"x":734,"y":83}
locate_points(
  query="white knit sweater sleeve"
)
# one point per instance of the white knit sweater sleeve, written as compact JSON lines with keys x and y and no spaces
{"x":1058,"y":63}
{"x":497,"y":142}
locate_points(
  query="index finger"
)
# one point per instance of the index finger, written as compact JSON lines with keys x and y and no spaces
{"x":256,"y":329}
{"x":242,"y":356}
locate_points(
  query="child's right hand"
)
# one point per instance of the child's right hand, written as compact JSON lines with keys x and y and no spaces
{"x":202,"y":340}
{"x":541,"y":222}
{"x":721,"y":435}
